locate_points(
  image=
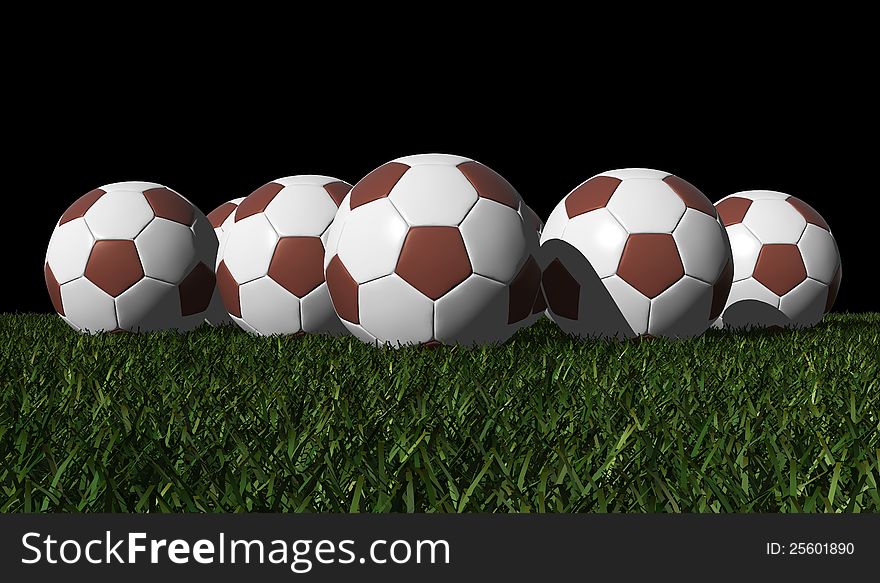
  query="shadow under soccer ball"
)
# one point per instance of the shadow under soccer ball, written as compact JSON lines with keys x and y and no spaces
{"x":577,"y":300}
{"x":752,"y":314}
{"x":755,"y":314}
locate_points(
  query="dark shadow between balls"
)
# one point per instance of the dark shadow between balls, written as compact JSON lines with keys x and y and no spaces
{"x":753,"y":314}
{"x":573,"y":288}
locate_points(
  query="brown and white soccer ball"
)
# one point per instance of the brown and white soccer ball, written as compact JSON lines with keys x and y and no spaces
{"x":431,"y":249}
{"x":220,"y":218}
{"x":270,"y":265}
{"x":786,"y":265}
{"x":635,"y":252}
{"x":133,"y":256}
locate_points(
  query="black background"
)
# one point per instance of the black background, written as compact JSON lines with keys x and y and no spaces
{"x":729,"y":101}
{"x":219,"y":122}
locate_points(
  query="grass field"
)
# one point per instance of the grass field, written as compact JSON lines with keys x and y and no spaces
{"x":217,"y":420}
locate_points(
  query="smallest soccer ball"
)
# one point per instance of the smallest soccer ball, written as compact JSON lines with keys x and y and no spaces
{"x":786,"y":262}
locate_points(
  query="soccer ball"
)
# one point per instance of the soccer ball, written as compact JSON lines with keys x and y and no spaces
{"x":635,"y":252}
{"x":786,"y":266}
{"x":432,"y":249}
{"x":220,"y":218}
{"x":133,"y":256}
{"x":269,"y":268}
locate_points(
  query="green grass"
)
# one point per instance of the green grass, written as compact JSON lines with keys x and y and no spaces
{"x":217,"y":420}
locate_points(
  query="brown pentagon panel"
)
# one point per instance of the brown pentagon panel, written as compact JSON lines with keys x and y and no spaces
{"x":257,"y":201}
{"x":690,"y":195}
{"x":721,"y":290}
{"x":377,"y":184}
{"x":833,"y":288}
{"x":808,"y":212}
{"x":524,"y":289}
{"x":221,"y":213}
{"x":114,"y":266}
{"x":298,"y":264}
{"x":650,"y":263}
{"x":167,"y":204}
{"x":229,"y":291}
{"x":591,"y":195}
{"x":196,"y":289}
{"x":732,"y":210}
{"x":489,"y":184}
{"x":54,"y":289}
{"x":81,"y":205}
{"x":540,"y":303}
{"x":780,"y":267}
{"x":343,"y":291}
{"x":337,"y":191}
{"x":561,"y":290}
{"x":434,"y":260}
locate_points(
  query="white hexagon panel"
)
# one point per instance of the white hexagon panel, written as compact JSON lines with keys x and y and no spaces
{"x":131,"y":256}
{"x":371,"y":240}
{"x":646,"y":205}
{"x":384,"y":299}
{"x":635,"y":252}
{"x":495,"y":239}
{"x":424,"y":239}
{"x":433,"y":194}
{"x":600,"y":236}
{"x":786,"y":263}
{"x":270,"y":267}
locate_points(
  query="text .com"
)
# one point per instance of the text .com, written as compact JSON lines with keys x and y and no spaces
{"x":300,"y":555}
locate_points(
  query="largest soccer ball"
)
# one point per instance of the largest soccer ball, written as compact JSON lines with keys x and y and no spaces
{"x":432,"y":249}
{"x":133,"y":256}
{"x":635,"y":252}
